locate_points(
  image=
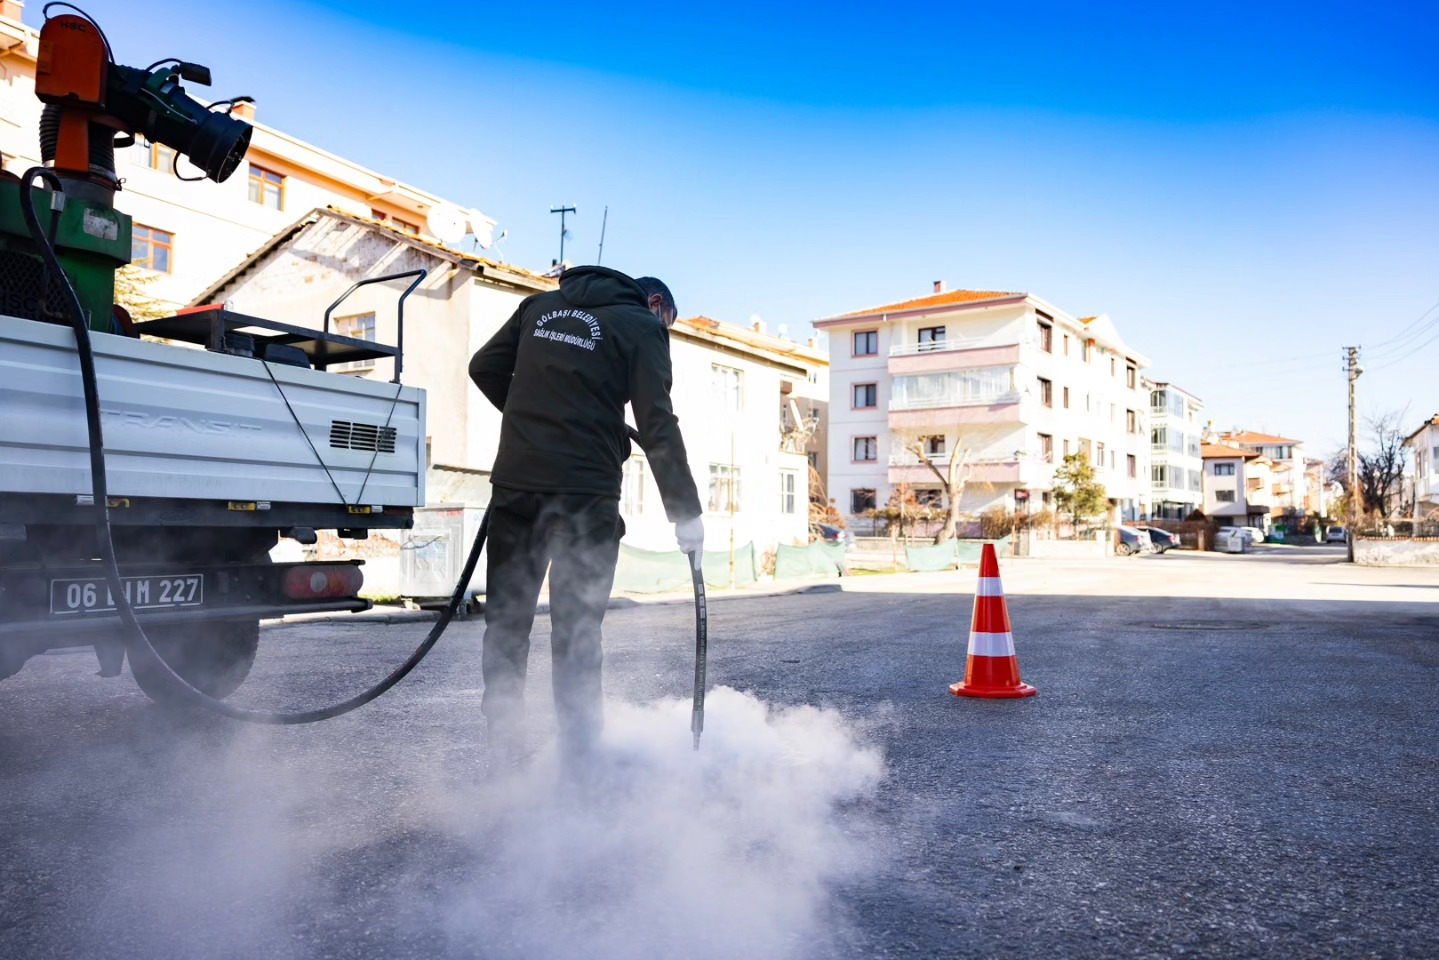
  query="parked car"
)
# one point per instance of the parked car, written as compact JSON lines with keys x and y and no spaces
{"x":1162,"y":539}
{"x":1335,"y":535}
{"x":1254,"y":534}
{"x":1132,"y":540}
{"x":830,"y":534}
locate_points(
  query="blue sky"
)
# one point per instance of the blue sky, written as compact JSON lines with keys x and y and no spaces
{"x":1243,"y":188}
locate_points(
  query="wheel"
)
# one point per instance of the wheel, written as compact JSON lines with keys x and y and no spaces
{"x":213,"y":657}
{"x":1123,"y":549}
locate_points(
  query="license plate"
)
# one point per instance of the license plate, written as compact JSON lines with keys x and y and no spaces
{"x":78,"y":597}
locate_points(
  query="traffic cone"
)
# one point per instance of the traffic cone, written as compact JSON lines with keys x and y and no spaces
{"x":992,"y":670}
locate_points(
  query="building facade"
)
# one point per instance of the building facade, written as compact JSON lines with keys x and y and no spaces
{"x":735,"y":389}
{"x":1007,"y":381}
{"x":1423,"y":447}
{"x":188,"y":233}
{"x":1237,"y":485}
{"x":1287,"y":495}
{"x":1175,"y":465}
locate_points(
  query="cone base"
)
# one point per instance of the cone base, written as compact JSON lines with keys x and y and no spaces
{"x":993,"y":693}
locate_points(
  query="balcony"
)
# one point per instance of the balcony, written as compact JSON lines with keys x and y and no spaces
{"x":935,"y":413}
{"x":951,"y":355}
{"x":908,"y":468}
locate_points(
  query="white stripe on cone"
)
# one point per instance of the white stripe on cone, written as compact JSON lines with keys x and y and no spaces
{"x":989,"y":587}
{"x":991,"y":644}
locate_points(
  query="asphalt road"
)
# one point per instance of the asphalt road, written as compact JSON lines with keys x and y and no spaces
{"x":1228,"y":757}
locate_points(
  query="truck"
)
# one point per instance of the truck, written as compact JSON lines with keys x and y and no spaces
{"x":223,"y":433}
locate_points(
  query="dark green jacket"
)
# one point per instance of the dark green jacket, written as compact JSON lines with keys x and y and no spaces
{"x":561,"y":370}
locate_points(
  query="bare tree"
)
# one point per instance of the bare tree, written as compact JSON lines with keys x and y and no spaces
{"x":951,"y":480}
{"x":1382,"y":468}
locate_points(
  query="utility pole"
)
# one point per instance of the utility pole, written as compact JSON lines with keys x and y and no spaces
{"x":1351,"y":463}
{"x":562,"y":211}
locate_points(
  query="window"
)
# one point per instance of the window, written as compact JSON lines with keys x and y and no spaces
{"x":1066,"y":398}
{"x":1046,"y":392}
{"x":866,"y":343}
{"x":787,"y":483}
{"x":157,"y":156}
{"x":1157,"y":437}
{"x":1131,"y":421}
{"x":378,"y":214}
{"x":1133,"y":464}
{"x":1113,"y":367}
{"x":1086,"y":351}
{"x":1046,"y":448}
{"x":727,"y":387}
{"x":861,"y":500}
{"x":1113,"y":413}
{"x":1159,"y":475}
{"x":1224,"y":496}
{"x":1113,"y":459}
{"x":1046,"y":337}
{"x":934,"y":446}
{"x":931,"y":338}
{"x":633,"y":495}
{"x":1066,"y":448}
{"x":724,"y":488}
{"x":866,"y":448}
{"x":151,"y":248}
{"x":405,"y":226}
{"x":1066,"y":344}
{"x":1224,"y":469}
{"x":267,"y":188}
{"x":1099,"y":454}
{"x":865,"y":396}
{"x":359,"y":326}
{"x":1131,"y":375}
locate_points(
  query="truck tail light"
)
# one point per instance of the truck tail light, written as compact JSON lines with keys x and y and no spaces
{"x":315,"y":581}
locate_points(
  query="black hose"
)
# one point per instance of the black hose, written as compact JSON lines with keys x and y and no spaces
{"x":138,"y":645}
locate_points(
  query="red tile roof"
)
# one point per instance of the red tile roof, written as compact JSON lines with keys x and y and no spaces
{"x":937,"y":300}
{"x":1214,"y":451}
{"x":1249,"y":436}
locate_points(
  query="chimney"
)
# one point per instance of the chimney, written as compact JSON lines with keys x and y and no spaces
{"x":244,"y":110}
{"x":10,"y":9}
{"x":939,"y":286}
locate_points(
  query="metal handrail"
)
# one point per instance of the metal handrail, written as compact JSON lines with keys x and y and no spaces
{"x":1011,"y":396}
{"x":419,"y":276}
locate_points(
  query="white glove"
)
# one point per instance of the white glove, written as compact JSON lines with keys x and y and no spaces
{"x":690,"y":535}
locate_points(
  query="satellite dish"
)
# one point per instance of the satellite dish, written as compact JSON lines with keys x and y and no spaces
{"x":446,"y":223}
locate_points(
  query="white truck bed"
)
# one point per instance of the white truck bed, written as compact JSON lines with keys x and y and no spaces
{"x":191,"y":424}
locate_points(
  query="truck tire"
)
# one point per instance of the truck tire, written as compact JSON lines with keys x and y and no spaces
{"x":214,"y":657}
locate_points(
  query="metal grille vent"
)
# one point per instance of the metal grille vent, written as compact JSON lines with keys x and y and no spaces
{"x":345,"y":435}
{"x":20,"y":289}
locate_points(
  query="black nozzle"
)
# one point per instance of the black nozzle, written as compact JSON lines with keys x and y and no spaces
{"x":157,"y":107}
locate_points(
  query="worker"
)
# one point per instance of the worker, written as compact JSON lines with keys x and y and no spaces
{"x":561,"y":371}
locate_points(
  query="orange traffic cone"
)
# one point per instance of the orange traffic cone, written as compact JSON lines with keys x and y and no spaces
{"x":992,"y":670}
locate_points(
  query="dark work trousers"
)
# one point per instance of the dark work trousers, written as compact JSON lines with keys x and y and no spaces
{"x":577,"y":536}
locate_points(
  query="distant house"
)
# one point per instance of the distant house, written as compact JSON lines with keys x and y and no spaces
{"x":1423,"y":447}
{"x":1288,"y":491}
{"x":1237,"y":486}
{"x":1175,"y":466}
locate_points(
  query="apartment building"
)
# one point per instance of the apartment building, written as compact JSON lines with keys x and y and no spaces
{"x":1423,"y":447}
{"x":1007,"y":378}
{"x":734,"y":390}
{"x":186,"y":234}
{"x":1175,"y":466}
{"x":1237,"y":486}
{"x":1289,"y":490}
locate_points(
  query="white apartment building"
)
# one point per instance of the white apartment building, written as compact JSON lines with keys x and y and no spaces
{"x":1237,"y":486}
{"x":1009,"y":377}
{"x":732,"y":392}
{"x":1175,"y":466}
{"x":1423,"y":447}
{"x":188,"y":234}
{"x":1288,"y":494}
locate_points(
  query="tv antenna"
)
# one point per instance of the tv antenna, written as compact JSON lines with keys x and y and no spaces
{"x":603,"y":223}
{"x":563,"y":232}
